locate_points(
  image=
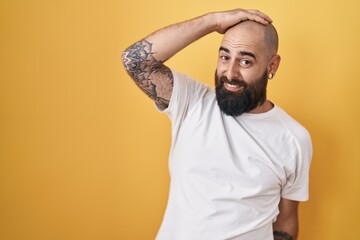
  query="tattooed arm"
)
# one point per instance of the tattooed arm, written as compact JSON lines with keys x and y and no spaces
{"x":286,"y":225}
{"x":144,"y":60}
{"x":151,"y":75}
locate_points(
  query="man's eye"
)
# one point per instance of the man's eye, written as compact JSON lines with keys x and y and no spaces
{"x":224,"y":58}
{"x":245,"y":62}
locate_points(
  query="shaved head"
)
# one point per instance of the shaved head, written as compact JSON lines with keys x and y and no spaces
{"x":267,"y":32}
{"x":247,"y":59}
{"x":271,"y":38}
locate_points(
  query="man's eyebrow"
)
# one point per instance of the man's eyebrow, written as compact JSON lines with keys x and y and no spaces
{"x":242,"y":53}
{"x":224,"y":49}
{"x":245,"y":53}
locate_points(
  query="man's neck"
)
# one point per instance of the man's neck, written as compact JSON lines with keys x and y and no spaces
{"x":265,"y":107}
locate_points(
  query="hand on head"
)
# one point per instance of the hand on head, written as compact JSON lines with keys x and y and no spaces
{"x":227,"y":19}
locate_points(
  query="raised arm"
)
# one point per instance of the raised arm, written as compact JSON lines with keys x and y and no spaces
{"x":144,"y":60}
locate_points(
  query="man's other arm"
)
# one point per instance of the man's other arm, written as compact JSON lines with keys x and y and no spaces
{"x":286,"y":225}
{"x":144,"y":60}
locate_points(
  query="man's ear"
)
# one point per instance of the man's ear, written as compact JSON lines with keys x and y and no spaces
{"x":273,"y":65}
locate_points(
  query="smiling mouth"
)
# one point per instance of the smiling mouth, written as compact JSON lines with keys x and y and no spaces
{"x":233,"y":87}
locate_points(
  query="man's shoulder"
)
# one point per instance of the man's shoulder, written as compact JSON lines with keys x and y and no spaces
{"x":295,"y":128}
{"x":188,"y":93}
{"x":190,"y":86}
{"x":187,"y":79}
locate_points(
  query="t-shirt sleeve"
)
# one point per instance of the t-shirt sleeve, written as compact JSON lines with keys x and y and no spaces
{"x":297,"y":184}
{"x":186,"y":93}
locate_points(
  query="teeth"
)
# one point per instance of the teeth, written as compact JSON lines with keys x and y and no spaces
{"x":232,"y":86}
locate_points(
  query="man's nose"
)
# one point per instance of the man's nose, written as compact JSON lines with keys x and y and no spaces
{"x":233,"y":72}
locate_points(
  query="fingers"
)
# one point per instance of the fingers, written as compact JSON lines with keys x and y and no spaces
{"x":226,"y":19}
{"x":258,"y":16}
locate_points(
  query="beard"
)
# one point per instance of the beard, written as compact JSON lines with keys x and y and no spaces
{"x":236,"y":103}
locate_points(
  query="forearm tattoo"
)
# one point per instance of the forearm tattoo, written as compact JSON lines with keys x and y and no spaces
{"x":282,"y":236}
{"x":151,"y":75}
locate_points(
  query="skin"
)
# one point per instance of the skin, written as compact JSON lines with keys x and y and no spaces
{"x":144,"y":61}
{"x":287,"y":220}
{"x":244,"y":55}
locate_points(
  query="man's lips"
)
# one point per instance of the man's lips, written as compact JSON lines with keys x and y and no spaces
{"x":233,"y":87}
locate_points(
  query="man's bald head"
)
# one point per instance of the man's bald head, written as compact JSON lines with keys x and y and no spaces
{"x":247,"y":59}
{"x":267,"y":32}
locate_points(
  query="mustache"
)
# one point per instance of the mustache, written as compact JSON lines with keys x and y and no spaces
{"x":238,"y":82}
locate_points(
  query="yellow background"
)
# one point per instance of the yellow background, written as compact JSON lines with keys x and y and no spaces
{"x":83,"y":153}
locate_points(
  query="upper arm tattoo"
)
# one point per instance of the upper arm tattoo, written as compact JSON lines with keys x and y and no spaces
{"x":151,"y":75}
{"x":282,"y":236}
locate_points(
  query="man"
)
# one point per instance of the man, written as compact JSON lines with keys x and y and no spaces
{"x":239,"y":164}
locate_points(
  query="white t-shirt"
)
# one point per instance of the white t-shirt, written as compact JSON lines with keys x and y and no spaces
{"x":228,"y":173}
